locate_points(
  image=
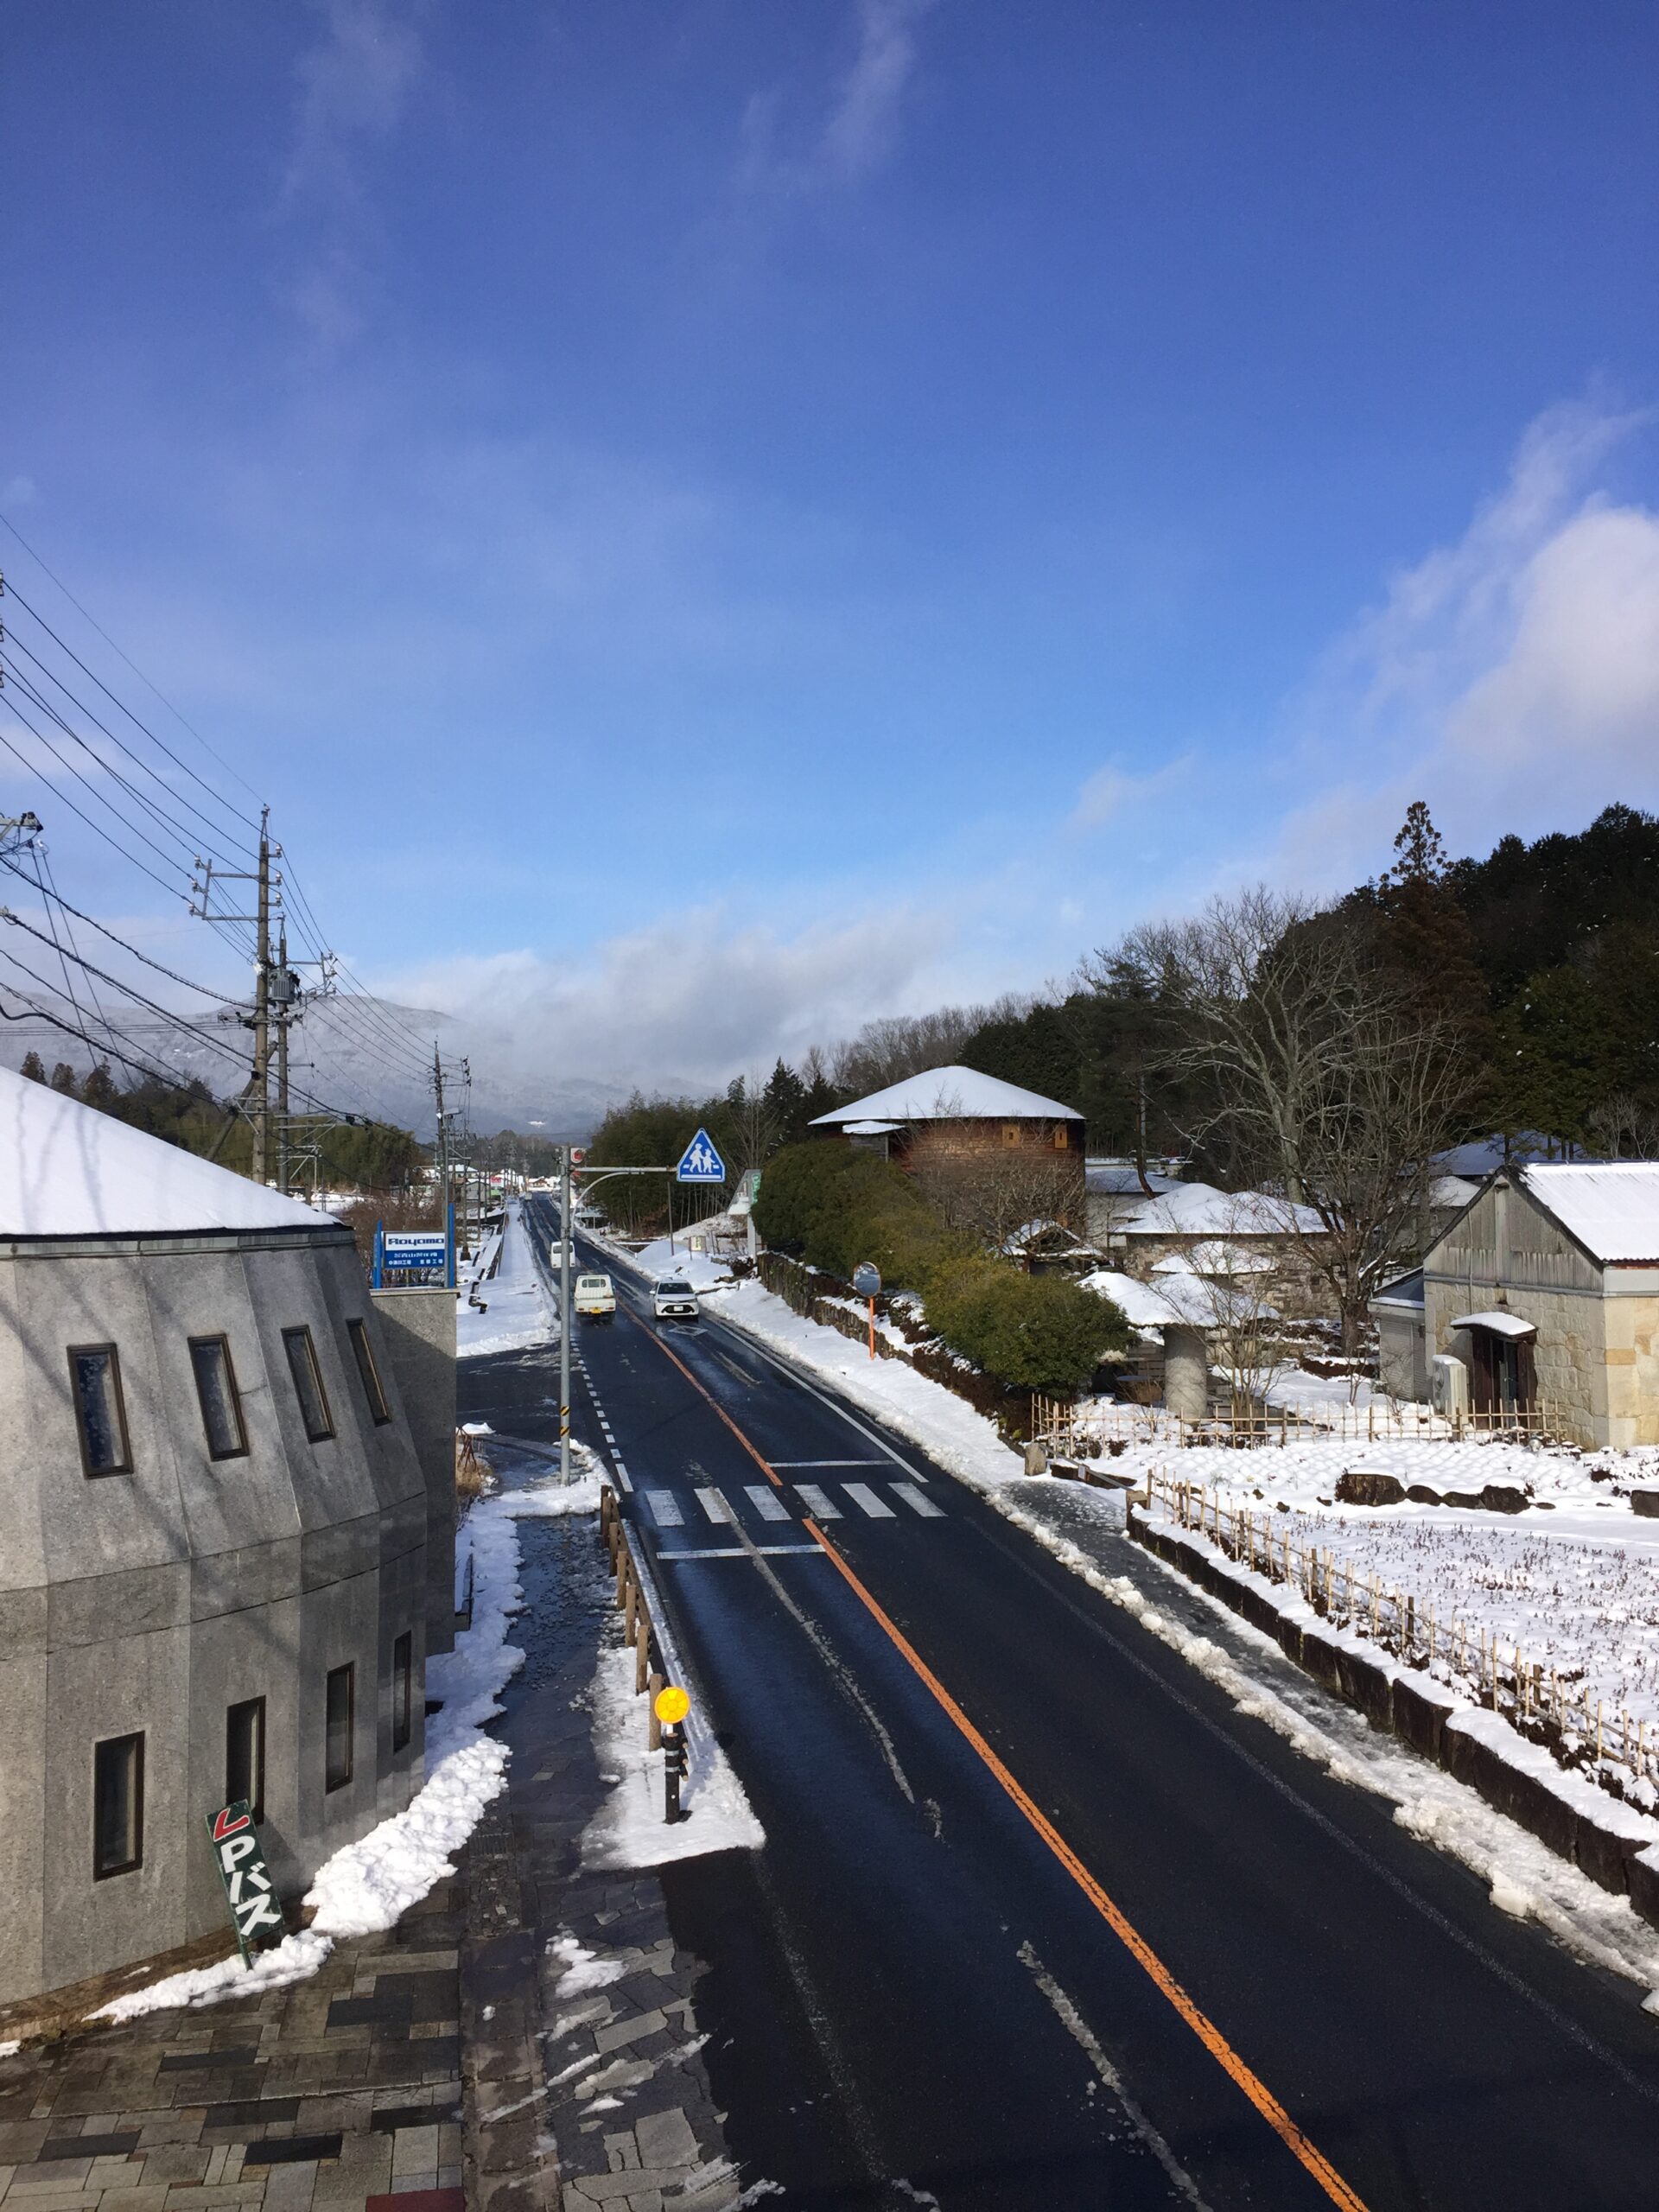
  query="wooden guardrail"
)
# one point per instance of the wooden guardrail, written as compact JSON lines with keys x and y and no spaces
{"x":631,"y":1604}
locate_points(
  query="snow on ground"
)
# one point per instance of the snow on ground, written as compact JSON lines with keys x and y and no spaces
{"x":365,"y":1886}
{"x":945,"y":1426}
{"x":629,"y":1829}
{"x":514,"y":1313}
{"x":701,"y":1270}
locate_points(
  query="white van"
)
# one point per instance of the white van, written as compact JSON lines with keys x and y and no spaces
{"x":674,"y":1299}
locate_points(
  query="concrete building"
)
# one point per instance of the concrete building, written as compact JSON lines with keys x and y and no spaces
{"x":954,"y":1121}
{"x":213,"y":1543}
{"x":1545,"y":1293}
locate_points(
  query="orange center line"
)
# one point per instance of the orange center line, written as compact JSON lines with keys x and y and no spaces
{"x":651,"y":1337}
{"x":1207,"y":2033}
{"x":1202,"y":2026}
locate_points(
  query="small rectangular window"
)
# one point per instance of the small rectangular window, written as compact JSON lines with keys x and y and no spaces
{"x":118,"y":1806}
{"x":100,"y":1410}
{"x":337,"y":1761}
{"x":1010,"y":1132}
{"x":244,"y":1756}
{"x":221,"y":1402}
{"x":1062,"y":1138}
{"x":307,"y":1384}
{"x":365,"y":1367}
{"x":402,"y":1689}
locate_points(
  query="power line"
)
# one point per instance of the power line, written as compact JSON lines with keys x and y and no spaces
{"x":64,"y":799}
{"x":41,"y":562}
{"x":69,"y":693}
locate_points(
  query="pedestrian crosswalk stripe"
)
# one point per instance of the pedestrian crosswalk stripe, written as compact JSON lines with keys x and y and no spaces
{"x":666,"y":1509}
{"x":766,"y":1503}
{"x":866,"y":1499}
{"x":715,"y":1507}
{"x":817,"y":1501}
{"x":914,"y":1499}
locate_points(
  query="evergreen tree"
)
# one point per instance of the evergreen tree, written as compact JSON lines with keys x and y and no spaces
{"x":785,"y":1097}
{"x":34,"y":1067}
{"x":63,"y":1079}
{"x":99,"y":1091}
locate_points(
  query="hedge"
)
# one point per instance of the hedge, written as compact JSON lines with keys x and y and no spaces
{"x":833,"y":1205}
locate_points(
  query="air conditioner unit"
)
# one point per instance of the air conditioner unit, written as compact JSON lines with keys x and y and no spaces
{"x":1448,"y":1384}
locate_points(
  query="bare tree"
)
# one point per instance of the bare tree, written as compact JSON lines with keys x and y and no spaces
{"x":1625,"y":1126}
{"x":990,"y":1192}
{"x":899,"y":1045}
{"x":1321,"y":1070}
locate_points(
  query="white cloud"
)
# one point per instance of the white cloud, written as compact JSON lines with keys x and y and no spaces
{"x":1510,"y":678}
{"x":860,"y":131}
{"x":1111,"y":792}
{"x":688,"y":998}
{"x":355,"y":86}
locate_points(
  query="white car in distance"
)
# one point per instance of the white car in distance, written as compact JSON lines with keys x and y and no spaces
{"x":674,"y":1299}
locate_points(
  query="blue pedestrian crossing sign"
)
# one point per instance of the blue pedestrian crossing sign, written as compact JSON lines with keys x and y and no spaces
{"x":699,"y":1162}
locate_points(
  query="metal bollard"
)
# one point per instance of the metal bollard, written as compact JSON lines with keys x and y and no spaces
{"x":674,"y":1765}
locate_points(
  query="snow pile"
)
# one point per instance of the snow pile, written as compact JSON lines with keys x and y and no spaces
{"x":701,"y":1270}
{"x":368,"y":1884}
{"x":945,"y":1426}
{"x":517,"y":1315}
{"x":629,"y":1829}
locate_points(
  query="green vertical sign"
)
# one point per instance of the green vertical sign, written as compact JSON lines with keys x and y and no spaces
{"x":249,"y":1890}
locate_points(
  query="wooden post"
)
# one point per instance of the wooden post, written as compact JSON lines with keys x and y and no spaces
{"x":641,"y":1652}
{"x":630,"y":1608}
{"x":653,"y":1726}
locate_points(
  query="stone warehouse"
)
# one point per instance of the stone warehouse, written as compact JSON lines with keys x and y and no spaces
{"x":213,"y":1543}
{"x":1541,"y":1297}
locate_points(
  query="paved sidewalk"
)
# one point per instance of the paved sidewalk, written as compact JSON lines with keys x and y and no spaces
{"x":337,"y":2092}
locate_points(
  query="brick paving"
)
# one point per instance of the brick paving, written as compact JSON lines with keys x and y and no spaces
{"x":323,"y":2097}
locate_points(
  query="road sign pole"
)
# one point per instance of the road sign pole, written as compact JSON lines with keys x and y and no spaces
{"x":564,"y":1312}
{"x":872,"y":1328}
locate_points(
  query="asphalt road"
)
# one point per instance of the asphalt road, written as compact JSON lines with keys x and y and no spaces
{"x":1041,"y":1920}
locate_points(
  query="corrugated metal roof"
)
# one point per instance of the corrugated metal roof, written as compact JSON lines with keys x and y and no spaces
{"x":66,"y":1170}
{"x":1611,"y":1207}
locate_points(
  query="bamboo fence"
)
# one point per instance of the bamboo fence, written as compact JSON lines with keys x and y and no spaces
{"x":1068,"y":1431}
{"x":632,"y":1605}
{"x":1498,"y":1673}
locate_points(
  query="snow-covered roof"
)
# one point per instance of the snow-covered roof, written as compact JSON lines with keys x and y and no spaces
{"x":949,"y":1095}
{"x":1120,"y":1178}
{"x":1612,"y":1208}
{"x":1452,"y":1190}
{"x":1200,"y":1210}
{"x":1501,"y":1323}
{"x":1140,"y":1304}
{"x":66,"y":1170}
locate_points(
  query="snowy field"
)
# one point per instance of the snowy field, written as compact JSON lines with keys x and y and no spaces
{"x":513,"y":1312}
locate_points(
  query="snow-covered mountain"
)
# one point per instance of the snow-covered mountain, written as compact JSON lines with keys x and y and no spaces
{"x":358,"y":1055}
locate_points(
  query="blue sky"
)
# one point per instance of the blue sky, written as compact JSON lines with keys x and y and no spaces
{"x":711,"y":520}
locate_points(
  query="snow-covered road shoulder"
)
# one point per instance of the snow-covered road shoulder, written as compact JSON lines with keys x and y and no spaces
{"x":513,"y":1312}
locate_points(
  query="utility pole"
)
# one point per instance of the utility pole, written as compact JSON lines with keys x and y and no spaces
{"x":564,"y":1312}
{"x":284,"y":1014}
{"x":262,"y":1007}
{"x":441,"y":1153}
